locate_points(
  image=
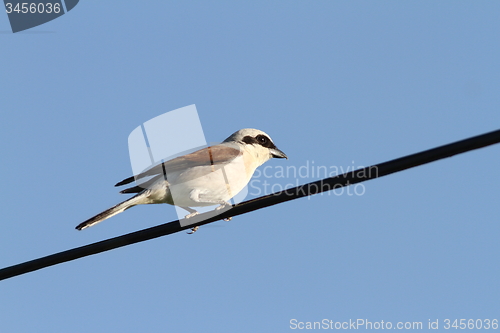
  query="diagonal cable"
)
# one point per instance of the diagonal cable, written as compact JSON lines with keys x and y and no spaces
{"x":327,"y":184}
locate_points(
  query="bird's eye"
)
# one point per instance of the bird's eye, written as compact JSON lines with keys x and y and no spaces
{"x":262,"y":139}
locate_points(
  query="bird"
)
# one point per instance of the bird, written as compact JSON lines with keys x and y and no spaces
{"x":206,"y":177}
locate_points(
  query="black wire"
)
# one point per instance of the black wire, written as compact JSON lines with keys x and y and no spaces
{"x":316,"y":187}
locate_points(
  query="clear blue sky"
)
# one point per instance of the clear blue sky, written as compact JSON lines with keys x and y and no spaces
{"x":335,"y":83}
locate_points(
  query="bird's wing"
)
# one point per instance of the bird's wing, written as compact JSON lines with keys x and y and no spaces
{"x":217,"y":156}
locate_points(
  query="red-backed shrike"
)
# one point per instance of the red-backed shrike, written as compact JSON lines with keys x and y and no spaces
{"x":207,"y":177}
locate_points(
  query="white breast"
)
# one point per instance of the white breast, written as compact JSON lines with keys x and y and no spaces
{"x":216,"y":184}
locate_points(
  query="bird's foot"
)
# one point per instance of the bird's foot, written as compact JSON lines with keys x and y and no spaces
{"x":190,"y":215}
{"x":223,"y":205}
{"x":193,"y":230}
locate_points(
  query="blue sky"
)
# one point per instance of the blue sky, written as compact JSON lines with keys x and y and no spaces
{"x":335,"y":83}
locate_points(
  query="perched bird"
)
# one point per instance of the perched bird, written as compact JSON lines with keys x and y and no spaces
{"x":206,"y":177}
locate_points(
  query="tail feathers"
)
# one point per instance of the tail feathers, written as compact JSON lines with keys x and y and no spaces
{"x":126,"y":181}
{"x":135,"y":200}
{"x":135,"y":189}
{"x":142,"y":186}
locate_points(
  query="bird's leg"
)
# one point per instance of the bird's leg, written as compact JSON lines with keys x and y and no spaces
{"x":223,"y":205}
{"x":192,"y":213}
{"x":198,"y":197}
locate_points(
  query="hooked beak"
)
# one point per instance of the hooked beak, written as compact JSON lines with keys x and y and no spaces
{"x":276,"y":153}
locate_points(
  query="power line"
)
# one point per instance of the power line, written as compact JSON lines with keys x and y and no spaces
{"x":327,"y":184}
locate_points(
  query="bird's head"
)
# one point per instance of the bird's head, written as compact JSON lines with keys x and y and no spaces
{"x":260,"y":142}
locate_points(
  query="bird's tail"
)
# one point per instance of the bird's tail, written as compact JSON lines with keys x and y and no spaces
{"x":135,"y":200}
